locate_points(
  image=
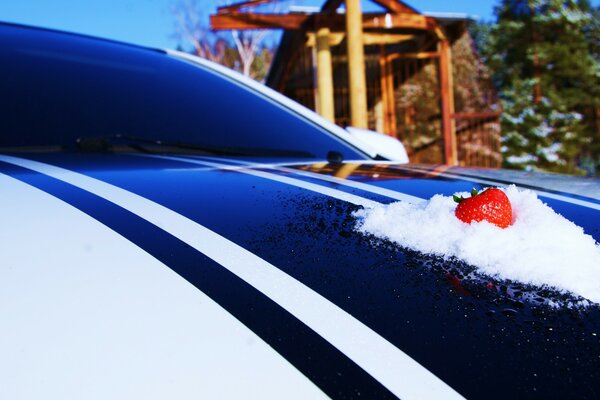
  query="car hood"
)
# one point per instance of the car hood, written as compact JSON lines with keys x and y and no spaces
{"x":483,"y":341}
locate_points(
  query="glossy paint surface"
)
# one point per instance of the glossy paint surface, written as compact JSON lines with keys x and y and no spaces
{"x":485,"y":338}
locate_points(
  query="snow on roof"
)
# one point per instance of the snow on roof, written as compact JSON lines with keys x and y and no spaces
{"x":449,"y":15}
{"x":304,"y":9}
{"x":434,"y":14}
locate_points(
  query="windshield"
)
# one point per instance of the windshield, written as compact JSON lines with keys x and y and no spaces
{"x":57,"y":88}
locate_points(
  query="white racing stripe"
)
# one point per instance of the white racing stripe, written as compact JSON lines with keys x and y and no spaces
{"x":87,"y":314}
{"x":542,"y":193}
{"x":338,"y":194}
{"x":394,"y":369}
{"x":249,"y":168}
{"x":392,"y":194}
{"x":406,"y":197}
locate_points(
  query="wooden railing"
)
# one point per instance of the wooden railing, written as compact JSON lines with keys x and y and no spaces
{"x":478,"y":139}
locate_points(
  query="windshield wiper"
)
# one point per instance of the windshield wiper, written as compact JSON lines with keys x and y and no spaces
{"x":157,"y":146}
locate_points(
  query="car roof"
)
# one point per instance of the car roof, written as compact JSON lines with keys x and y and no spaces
{"x":109,"y":45}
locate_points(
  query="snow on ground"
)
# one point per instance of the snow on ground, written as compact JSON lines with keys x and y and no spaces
{"x":541,"y":247}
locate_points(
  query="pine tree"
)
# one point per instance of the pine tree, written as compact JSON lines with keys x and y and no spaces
{"x":544,"y":58}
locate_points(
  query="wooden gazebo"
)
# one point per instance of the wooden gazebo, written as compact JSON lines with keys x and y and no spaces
{"x":358,"y":69}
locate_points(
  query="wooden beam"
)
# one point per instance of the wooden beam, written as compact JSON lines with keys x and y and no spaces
{"x":330,"y":6}
{"x":356,"y":65}
{"x":422,"y":55}
{"x":398,"y":20}
{"x":335,"y":22}
{"x":439,"y":31}
{"x":325,"y":76}
{"x":477,"y":115}
{"x":379,"y":21}
{"x":369,"y":38}
{"x":335,"y":38}
{"x":257,"y":21}
{"x":447,"y":104}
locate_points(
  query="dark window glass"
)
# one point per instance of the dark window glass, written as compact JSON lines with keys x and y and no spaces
{"x":55,"y":88}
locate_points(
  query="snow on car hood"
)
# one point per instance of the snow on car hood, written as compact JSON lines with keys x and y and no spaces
{"x":541,"y":247}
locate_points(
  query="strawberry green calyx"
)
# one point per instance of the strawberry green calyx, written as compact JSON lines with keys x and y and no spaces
{"x":474,"y":192}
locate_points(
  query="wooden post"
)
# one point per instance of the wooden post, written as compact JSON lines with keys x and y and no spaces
{"x":387,"y":93}
{"x":384,"y":88}
{"x":324,"y":75}
{"x":447,"y":103}
{"x":356,"y":65}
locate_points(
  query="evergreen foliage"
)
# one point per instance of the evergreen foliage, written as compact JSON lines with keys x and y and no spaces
{"x":544,"y":59}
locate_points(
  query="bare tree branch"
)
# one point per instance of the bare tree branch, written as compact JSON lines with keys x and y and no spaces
{"x":192,"y":26}
{"x":248,"y":43}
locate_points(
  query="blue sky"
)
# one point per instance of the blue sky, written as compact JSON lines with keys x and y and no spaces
{"x":150,"y":22}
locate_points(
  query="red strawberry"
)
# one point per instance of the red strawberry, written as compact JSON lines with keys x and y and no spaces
{"x":491,"y":205}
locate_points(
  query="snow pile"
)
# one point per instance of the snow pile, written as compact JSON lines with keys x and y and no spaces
{"x":541,"y":247}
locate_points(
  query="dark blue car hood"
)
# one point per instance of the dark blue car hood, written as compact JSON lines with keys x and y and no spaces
{"x":483,"y":337}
